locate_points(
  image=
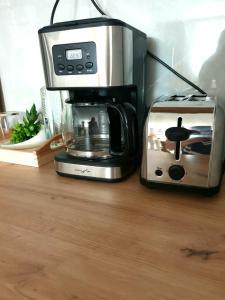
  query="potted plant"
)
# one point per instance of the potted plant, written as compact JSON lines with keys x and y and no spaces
{"x":27,"y":134}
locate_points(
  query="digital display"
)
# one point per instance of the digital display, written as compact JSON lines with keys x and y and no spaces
{"x":74,"y":54}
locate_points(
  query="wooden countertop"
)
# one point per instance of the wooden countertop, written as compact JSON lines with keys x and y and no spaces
{"x":63,"y":238}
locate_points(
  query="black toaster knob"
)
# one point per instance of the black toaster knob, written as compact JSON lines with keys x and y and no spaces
{"x":177,"y":134}
{"x":176,"y":172}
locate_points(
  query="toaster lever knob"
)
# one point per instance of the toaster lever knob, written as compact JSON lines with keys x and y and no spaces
{"x":177,"y":134}
{"x":176,"y":172}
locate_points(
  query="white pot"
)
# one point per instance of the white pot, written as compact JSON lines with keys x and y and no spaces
{"x":34,"y":142}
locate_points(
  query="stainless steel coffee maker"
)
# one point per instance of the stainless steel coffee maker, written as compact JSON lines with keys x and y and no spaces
{"x":101,"y":62}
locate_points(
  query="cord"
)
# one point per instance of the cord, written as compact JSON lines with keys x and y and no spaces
{"x":176,"y":73}
{"x":161,"y":61}
{"x":148,"y":52}
{"x":53,"y":11}
{"x":57,"y":2}
{"x":98,"y":8}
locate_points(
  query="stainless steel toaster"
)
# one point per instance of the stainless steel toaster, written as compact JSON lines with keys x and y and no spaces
{"x":183,"y":144}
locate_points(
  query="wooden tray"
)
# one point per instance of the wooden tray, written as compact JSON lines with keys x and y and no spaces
{"x":36,"y":157}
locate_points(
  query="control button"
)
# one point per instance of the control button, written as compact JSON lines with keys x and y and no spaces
{"x":176,"y":172}
{"x":59,"y":56}
{"x":88,"y":56}
{"x":177,"y":134}
{"x":79,"y":67}
{"x":61,"y":67}
{"x":70,"y":68}
{"x":158,"y":172}
{"x":89,"y":65}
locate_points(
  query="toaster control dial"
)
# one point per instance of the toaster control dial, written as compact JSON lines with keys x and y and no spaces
{"x":176,"y":172}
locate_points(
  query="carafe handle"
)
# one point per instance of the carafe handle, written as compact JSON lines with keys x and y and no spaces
{"x":127,"y":123}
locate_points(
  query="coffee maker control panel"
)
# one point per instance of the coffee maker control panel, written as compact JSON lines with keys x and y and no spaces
{"x":75,"y":59}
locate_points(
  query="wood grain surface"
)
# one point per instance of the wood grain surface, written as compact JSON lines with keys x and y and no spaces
{"x":63,"y":238}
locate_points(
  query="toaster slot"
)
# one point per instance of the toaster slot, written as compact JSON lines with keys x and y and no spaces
{"x":177,"y":150}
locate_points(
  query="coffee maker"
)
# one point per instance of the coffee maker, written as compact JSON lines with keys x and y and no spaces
{"x":101,"y":62}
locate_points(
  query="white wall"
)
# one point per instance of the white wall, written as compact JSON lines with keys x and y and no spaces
{"x":183,"y":33}
{"x":21,"y":70}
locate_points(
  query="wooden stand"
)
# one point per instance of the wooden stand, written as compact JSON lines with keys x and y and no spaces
{"x":33,"y":157}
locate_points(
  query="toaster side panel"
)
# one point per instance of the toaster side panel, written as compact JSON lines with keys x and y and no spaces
{"x":218,"y":146}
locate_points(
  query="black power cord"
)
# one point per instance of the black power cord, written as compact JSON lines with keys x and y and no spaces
{"x":53,"y":11}
{"x":57,"y":2}
{"x":162,"y":62}
{"x":98,"y":8}
{"x":148,"y":52}
{"x":176,"y":73}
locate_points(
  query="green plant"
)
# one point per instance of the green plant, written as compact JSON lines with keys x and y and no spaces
{"x":28,"y":128}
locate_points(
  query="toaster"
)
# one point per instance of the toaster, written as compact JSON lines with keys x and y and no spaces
{"x":183,"y":144}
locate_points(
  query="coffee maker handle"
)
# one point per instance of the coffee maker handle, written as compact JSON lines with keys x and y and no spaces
{"x":127,"y":117}
{"x":131,"y":119}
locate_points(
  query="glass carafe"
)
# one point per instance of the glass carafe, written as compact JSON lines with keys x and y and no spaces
{"x":86,"y":130}
{"x":90,"y":129}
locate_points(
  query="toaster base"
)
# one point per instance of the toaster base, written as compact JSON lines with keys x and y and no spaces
{"x":204,"y":191}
